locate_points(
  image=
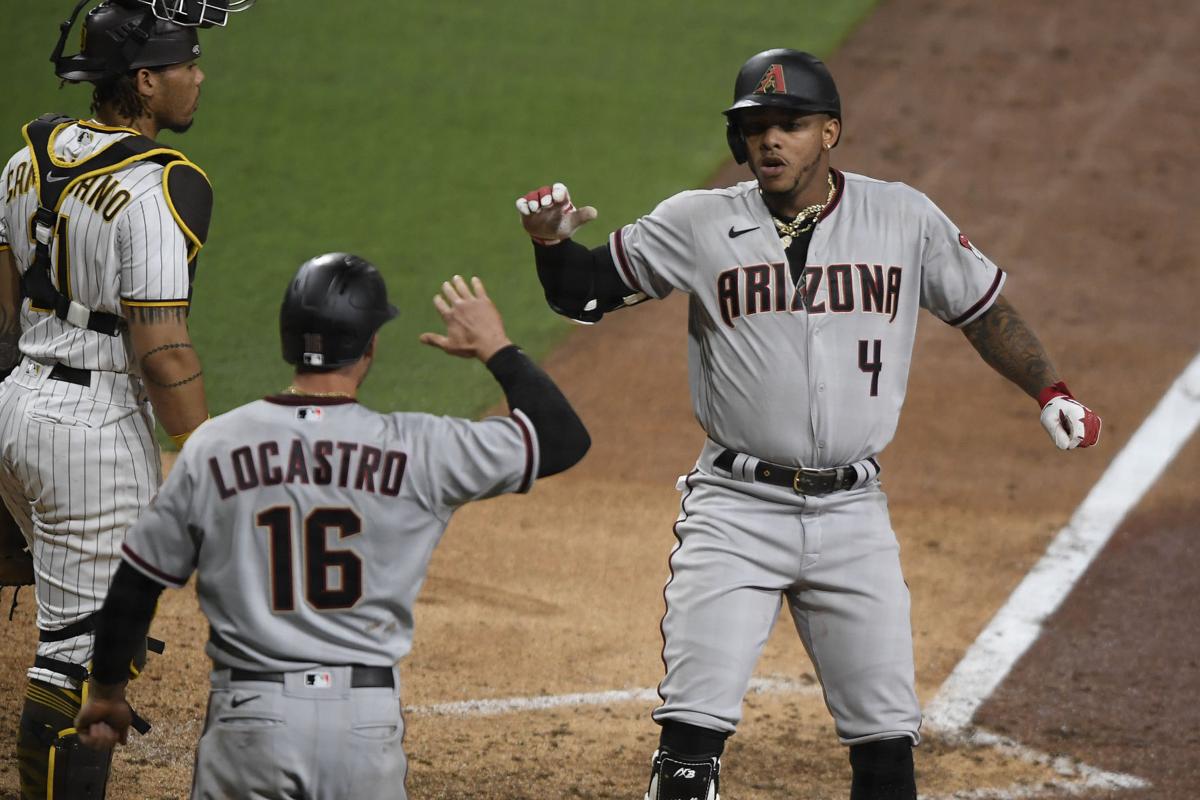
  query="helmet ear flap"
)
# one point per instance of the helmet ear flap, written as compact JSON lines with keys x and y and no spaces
{"x":737,"y":142}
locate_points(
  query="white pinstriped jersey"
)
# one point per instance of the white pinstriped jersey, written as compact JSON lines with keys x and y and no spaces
{"x":310,"y":523}
{"x":811,"y":375}
{"x":122,"y":240}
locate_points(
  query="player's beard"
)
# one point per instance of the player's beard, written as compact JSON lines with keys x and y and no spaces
{"x":180,"y":127}
{"x":807,"y":176}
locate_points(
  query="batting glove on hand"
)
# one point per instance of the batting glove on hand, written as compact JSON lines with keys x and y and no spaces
{"x":549,"y":216}
{"x":1069,"y":422}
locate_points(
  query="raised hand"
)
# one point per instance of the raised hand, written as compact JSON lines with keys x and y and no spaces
{"x":549,"y":216}
{"x":474,"y":328}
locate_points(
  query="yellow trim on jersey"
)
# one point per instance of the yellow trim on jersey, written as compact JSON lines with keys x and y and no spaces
{"x":78,"y":698}
{"x":154,"y":303}
{"x":33,"y":162}
{"x":37,"y":178}
{"x":114,"y":168}
{"x":195,"y":240}
{"x":48,"y":699}
{"x":102,"y":128}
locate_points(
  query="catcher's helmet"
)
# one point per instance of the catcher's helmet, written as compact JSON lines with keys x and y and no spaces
{"x":331,"y":309}
{"x":122,"y":35}
{"x":780,"y":78}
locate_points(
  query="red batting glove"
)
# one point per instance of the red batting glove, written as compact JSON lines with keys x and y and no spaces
{"x":1069,"y":422}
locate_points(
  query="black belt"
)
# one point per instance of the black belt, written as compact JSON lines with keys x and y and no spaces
{"x":801,"y":480}
{"x":361,"y":677}
{"x":79,"y":377}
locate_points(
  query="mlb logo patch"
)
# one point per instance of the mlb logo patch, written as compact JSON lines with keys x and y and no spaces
{"x":310,"y":413}
{"x":318,"y":680}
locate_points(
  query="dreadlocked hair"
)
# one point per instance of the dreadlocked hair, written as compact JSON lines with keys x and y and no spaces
{"x":120,"y":92}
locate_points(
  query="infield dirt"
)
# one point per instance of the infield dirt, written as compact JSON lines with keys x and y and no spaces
{"x":1061,"y":137}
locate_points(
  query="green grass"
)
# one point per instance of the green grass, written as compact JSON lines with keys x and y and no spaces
{"x":404,"y":131}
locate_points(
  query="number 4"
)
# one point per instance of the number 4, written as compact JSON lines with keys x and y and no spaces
{"x":871,"y":364}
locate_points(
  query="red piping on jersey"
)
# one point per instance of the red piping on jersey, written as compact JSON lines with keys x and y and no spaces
{"x":622,"y":259}
{"x":839,"y":186}
{"x":527,"y":478}
{"x":158,"y":573}
{"x":987,"y":297}
{"x":671,"y":569}
{"x":308,"y":400}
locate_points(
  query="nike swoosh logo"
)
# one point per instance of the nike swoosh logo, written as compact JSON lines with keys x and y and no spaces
{"x":734,"y":234}
{"x":237,"y":701}
{"x":52,"y":178}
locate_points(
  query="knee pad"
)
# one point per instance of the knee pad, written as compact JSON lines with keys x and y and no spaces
{"x":77,"y":771}
{"x":51,"y":760}
{"x":675,"y":777}
{"x":883,"y":770}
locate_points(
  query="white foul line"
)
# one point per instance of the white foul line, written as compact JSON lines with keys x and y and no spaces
{"x":1018,"y":623}
{"x":506,"y":705}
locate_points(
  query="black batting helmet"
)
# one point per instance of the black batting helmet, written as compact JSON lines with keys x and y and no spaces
{"x":331,"y":309}
{"x":123,"y":35}
{"x":780,"y":78}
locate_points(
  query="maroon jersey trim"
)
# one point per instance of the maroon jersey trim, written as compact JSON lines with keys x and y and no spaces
{"x":983,"y":301}
{"x":144,"y":566}
{"x":527,"y":478}
{"x":623,"y":260}
{"x":307,"y":400}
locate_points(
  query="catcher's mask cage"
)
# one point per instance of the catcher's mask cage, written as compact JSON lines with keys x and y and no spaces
{"x":780,"y":78}
{"x":120,"y":35}
{"x":331,"y":310}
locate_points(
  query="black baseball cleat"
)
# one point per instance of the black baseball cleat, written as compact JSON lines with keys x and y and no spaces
{"x":675,"y":777}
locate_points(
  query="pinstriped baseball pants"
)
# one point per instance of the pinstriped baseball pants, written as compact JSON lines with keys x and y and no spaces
{"x":75,"y":472}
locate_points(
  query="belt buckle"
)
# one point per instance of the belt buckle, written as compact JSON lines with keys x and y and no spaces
{"x":804,"y":481}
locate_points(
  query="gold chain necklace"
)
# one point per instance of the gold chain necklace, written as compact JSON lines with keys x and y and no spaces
{"x":293,"y":389}
{"x":805,"y":220}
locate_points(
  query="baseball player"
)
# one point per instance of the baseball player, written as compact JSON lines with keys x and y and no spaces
{"x":101,"y":228}
{"x":323,"y":515}
{"x":804,"y":287}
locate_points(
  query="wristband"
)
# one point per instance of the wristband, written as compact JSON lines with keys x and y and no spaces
{"x":1052,"y":391}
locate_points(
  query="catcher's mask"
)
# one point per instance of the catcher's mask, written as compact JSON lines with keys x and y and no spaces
{"x":780,"y":78}
{"x":123,"y":35}
{"x":331,"y":310}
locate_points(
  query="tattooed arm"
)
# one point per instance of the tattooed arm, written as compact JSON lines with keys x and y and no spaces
{"x":1008,"y":344}
{"x":10,"y":312}
{"x":169,"y":365}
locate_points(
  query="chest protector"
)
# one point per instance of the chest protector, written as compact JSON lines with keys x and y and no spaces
{"x":187,"y":191}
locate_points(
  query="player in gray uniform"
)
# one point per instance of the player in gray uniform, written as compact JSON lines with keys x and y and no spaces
{"x":310,"y":520}
{"x":804,"y":288}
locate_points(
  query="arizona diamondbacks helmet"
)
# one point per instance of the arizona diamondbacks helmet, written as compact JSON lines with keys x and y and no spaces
{"x":780,"y":78}
{"x":331,"y":309}
{"x":123,"y":35}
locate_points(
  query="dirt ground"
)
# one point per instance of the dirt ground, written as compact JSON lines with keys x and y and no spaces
{"x":1060,"y":137}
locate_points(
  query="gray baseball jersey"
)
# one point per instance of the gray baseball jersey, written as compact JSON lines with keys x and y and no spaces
{"x":80,"y":460}
{"x":811,"y":374}
{"x":800,"y":367}
{"x":310,"y":523}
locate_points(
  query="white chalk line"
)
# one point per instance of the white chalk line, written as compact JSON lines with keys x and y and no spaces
{"x":509,"y":705}
{"x":1010,"y":633}
{"x":1018,"y":624}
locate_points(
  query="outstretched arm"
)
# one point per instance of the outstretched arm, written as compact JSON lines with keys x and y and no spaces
{"x":579,"y":283}
{"x":474,"y":329}
{"x":1009,"y":346}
